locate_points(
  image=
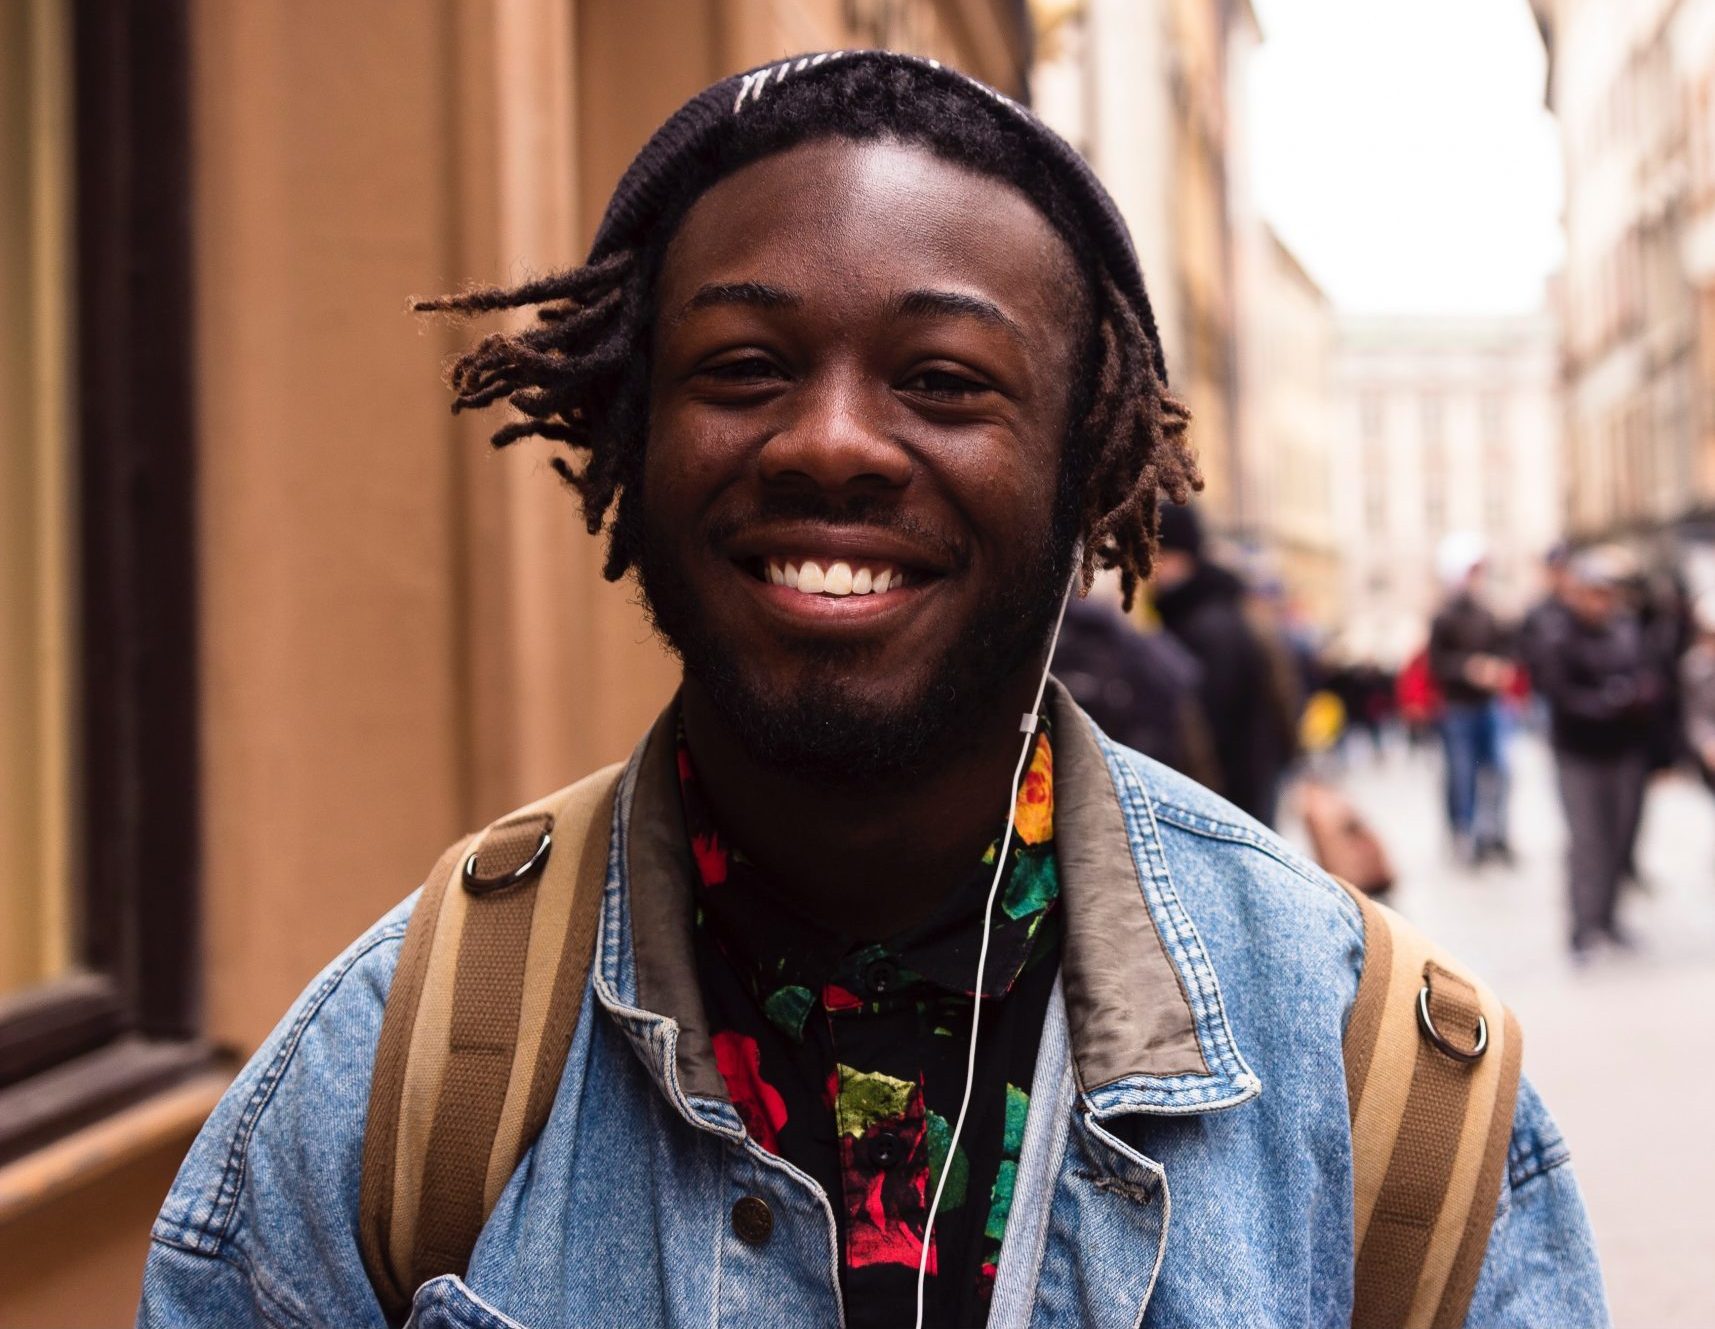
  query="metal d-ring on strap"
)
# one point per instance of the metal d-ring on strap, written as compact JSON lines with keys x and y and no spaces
{"x":479,"y":885}
{"x":1434,"y":1035}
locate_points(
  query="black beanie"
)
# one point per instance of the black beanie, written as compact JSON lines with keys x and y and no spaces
{"x":1181,"y":529}
{"x":692,"y":151}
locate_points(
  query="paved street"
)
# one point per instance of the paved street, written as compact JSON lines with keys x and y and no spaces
{"x":1623,"y":1050}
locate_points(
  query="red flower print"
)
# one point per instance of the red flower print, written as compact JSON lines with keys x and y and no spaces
{"x":711,"y":858}
{"x":759,"y":1103}
{"x":885,"y":1176}
{"x":836,"y":998}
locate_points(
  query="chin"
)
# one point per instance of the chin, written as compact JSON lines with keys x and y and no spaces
{"x":834,"y":724}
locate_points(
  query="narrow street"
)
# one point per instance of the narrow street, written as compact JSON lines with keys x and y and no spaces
{"x":1623,"y":1050}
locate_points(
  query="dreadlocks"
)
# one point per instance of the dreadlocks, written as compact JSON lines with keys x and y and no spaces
{"x":580,"y":376}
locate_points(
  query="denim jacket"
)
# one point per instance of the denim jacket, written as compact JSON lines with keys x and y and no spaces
{"x":1186,"y":1160}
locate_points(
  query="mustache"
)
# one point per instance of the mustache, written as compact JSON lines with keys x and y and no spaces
{"x":861,"y":512}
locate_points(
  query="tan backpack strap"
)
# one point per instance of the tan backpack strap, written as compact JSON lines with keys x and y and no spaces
{"x":479,"y":1019}
{"x":1432,"y":1073}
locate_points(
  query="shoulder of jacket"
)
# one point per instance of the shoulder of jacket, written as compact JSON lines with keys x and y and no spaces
{"x":317,"y":1059}
{"x":1252,"y":856}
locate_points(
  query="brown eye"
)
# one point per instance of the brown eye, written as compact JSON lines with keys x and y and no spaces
{"x":743,"y":376}
{"x":750,"y":369}
{"x":943,"y":384}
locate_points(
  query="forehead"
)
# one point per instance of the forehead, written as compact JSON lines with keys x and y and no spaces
{"x":871,"y":218}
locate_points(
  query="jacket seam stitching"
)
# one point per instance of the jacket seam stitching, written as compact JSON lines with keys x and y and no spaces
{"x":1177,"y":921}
{"x":1525,"y":1168}
{"x":237,"y":1161}
{"x":1196,"y":823}
{"x":278,"y":1307}
{"x":1204,"y":989}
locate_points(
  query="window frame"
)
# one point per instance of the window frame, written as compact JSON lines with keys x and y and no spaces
{"x":123,"y":1024}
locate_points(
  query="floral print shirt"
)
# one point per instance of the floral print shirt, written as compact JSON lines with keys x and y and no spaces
{"x":848,"y":1058}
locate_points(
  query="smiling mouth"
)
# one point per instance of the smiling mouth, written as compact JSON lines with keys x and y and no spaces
{"x":837,"y":577}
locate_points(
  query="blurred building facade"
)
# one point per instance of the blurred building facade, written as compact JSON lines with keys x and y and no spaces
{"x":1440,"y":425}
{"x":1691,"y":34}
{"x":1289,"y":451}
{"x":1628,"y":82}
{"x":1148,"y":91}
{"x":389,"y":635}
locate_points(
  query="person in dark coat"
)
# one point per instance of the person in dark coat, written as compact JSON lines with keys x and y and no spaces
{"x":1544,"y":621}
{"x":1142,"y":688}
{"x":1469,"y":657}
{"x":1250,"y":720}
{"x":1602,"y":685}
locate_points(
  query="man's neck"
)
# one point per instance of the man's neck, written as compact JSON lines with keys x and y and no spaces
{"x":866,"y":862}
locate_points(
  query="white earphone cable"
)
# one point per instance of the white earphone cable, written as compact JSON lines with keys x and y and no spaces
{"x":1028,"y":725}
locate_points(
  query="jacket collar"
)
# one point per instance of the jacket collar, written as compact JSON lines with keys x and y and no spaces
{"x":1148,"y":1031}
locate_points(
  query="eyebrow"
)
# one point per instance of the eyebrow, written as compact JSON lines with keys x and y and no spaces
{"x":922,"y":303}
{"x":957,"y":304}
{"x":756,"y":294}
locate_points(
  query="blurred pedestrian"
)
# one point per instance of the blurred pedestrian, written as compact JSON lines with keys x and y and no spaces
{"x":1469,"y":658}
{"x":1545,"y":620}
{"x":1366,"y":694}
{"x":1697,"y":689}
{"x":1418,"y":700}
{"x":1142,"y":687}
{"x":1251,"y":718}
{"x":1601,"y":684}
{"x":1664,"y":617}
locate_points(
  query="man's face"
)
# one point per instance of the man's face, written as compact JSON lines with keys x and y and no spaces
{"x":863,"y":364}
{"x":1594,"y":602}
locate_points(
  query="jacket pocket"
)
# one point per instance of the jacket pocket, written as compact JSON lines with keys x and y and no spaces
{"x":446,"y":1303}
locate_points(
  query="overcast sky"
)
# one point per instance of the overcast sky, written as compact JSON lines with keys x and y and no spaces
{"x":1402,"y":151}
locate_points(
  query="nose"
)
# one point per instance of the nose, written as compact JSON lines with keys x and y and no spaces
{"x":836,"y":440}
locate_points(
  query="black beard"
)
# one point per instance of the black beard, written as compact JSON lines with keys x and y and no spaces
{"x":816,"y":734}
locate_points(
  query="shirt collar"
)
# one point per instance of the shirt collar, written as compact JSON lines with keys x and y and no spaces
{"x":1148,"y":1027}
{"x":788,"y":963}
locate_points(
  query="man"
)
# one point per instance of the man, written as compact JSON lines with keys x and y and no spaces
{"x":1468,"y":659}
{"x":1248,"y":685}
{"x":863,"y":367}
{"x":1601,"y":685}
{"x":1545,"y":620}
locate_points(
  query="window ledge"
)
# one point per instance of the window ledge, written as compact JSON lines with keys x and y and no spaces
{"x":97,"y":1150}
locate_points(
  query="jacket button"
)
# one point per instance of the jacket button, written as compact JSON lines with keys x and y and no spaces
{"x":753,"y":1220}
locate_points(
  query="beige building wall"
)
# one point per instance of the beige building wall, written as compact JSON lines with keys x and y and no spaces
{"x":1441,"y":426}
{"x":1290,"y":451}
{"x":1142,"y":89}
{"x":402,"y":634}
{"x":1102,"y":80}
{"x":1691,"y":37}
{"x":1628,"y":309}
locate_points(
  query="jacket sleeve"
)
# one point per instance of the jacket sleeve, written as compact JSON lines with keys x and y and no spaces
{"x":260,"y":1226}
{"x":1446,"y":660}
{"x":1541,"y":1268}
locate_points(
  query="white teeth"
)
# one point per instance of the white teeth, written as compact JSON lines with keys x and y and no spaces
{"x":838,"y":578}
